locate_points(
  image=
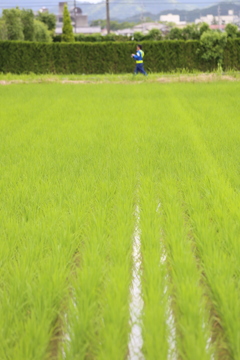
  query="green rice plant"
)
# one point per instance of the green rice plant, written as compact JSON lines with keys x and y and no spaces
{"x":211,"y":205}
{"x":84,"y":168}
{"x":154,"y":318}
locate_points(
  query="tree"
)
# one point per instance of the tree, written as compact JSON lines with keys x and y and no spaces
{"x":191,"y":32}
{"x":232,"y":31}
{"x":99,"y":22}
{"x":67,"y":31}
{"x":41,"y":32}
{"x":175,"y":34}
{"x":3,"y":30}
{"x":138,"y":36}
{"x":114,"y":25}
{"x":203,"y":28}
{"x":154,"y":34}
{"x":48,"y":19}
{"x":14,"y":25}
{"x":212,"y":45}
{"x":27,"y":18}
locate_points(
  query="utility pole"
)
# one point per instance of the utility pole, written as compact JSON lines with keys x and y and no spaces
{"x":107,"y":17}
{"x":75,"y":16}
{"x":142,"y":9}
{"x":219,"y":17}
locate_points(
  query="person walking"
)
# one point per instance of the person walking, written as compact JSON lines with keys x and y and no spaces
{"x":139,"y":61}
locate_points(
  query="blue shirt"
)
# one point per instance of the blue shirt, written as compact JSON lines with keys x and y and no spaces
{"x":139,"y":56}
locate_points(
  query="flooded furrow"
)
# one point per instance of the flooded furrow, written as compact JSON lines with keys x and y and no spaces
{"x":170,"y":319}
{"x":136,"y":303}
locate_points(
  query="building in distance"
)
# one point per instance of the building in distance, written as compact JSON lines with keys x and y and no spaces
{"x":79,"y":21}
{"x":170,"y":18}
{"x":219,"y":19}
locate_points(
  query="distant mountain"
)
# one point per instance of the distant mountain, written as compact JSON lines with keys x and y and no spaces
{"x":122,"y":9}
{"x":132,"y":10}
{"x":190,"y":16}
{"x":142,"y":17}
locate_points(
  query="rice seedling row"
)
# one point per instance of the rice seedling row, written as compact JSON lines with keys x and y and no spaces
{"x":119,"y":212}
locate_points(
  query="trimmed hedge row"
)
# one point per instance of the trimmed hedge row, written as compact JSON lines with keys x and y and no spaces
{"x":95,"y":38}
{"x":109,"y":57}
{"x":231,"y":59}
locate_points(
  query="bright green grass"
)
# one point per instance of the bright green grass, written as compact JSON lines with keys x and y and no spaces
{"x":76,"y":161}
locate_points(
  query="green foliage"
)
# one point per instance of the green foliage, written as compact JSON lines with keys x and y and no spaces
{"x":48,"y":19}
{"x":153,"y":34}
{"x":67,"y":30}
{"x":27,"y":18}
{"x":231,"y":30}
{"x":212,"y":46}
{"x":138,"y":36}
{"x":114,"y":57}
{"x":3,"y":30}
{"x":19,"y":24}
{"x":98,"y":38}
{"x":14,"y":25}
{"x":231,"y":58}
{"x":203,"y":28}
{"x":41,"y":32}
{"x":90,"y":38}
{"x":114,"y":25}
{"x":175,"y":34}
{"x":191,"y":32}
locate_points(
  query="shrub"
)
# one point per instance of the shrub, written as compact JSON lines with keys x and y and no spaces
{"x":191,"y":32}
{"x":41,"y":32}
{"x":27,"y":18}
{"x":175,"y":34}
{"x":153,"y":34}
{"x":67,"y":31}
{"x":3,"y":30}
{"x":48,"y":19}
{"x":138,"y":36}
{"x":231,"y":30}
{"x":212,"y":46}
{"x":203,"y":28}
{"x":14,"y":25}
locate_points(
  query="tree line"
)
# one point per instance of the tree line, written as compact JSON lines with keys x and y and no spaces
{"x":16,"y":24}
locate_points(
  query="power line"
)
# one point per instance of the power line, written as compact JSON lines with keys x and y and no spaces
{"x":120,"y":2}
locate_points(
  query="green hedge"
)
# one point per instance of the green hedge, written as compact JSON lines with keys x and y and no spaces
{"x":95,"y":38}
{"x":108,"y":57}
{"x":231,"y":59}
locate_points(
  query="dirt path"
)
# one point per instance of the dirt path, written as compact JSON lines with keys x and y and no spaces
{"x":128,"y":80}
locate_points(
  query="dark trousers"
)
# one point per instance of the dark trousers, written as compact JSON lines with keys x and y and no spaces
{"x":140,"y":68}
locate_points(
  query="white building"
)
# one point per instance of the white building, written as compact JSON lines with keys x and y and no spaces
{"x":79,"y":21}
{"x":219,"y":19}
{"x":43,"y":10}
{"x":172,"y":18}
{"x":125,"y":32}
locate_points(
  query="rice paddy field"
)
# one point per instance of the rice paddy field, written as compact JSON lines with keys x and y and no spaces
{"x":120,"y":221}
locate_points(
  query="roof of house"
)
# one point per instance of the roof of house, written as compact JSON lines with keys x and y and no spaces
{"x":217,"y":27}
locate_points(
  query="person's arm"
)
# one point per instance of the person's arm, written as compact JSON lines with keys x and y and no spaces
{"x":137,"y":57}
